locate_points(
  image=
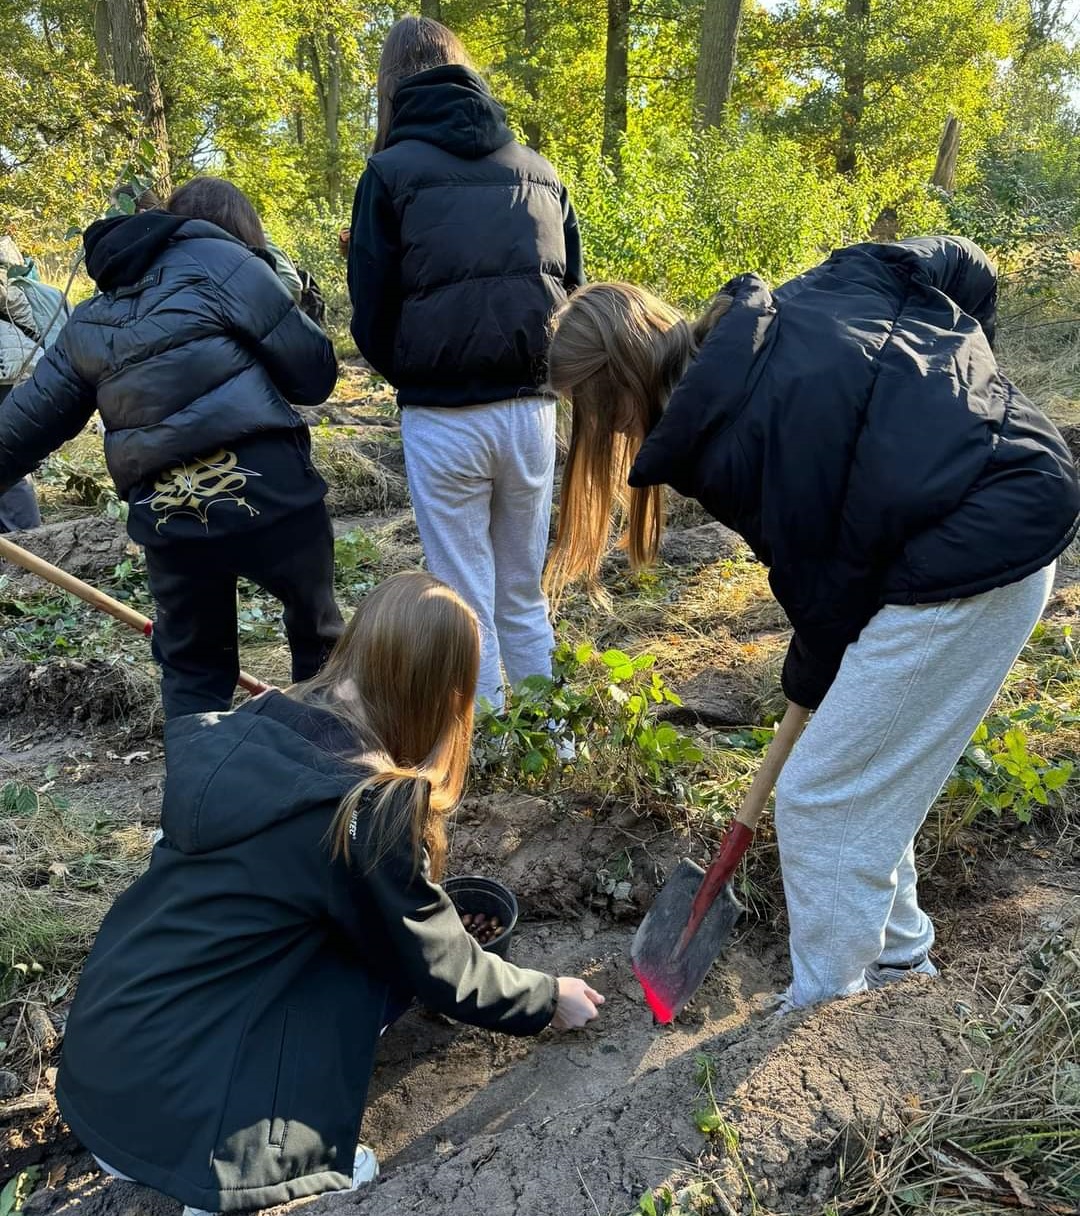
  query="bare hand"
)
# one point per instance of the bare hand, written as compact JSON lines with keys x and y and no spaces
{"x":578,"y":1004}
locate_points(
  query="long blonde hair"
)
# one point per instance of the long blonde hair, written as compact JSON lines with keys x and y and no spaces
{"x":616,"y":353}
{"x":403,"y":678}
{"x":413,"y":45}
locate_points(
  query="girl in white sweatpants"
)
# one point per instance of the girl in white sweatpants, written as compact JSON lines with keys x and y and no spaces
{"x":463,"y":244}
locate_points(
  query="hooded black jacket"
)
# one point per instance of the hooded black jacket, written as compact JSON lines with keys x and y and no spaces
{"x":463,"y":243}
{"x":191,"y":345}
{"x":222,"y":1039}
{"x":855,"y":429}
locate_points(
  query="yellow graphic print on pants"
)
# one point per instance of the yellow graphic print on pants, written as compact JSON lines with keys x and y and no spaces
{"x":193,"y":488}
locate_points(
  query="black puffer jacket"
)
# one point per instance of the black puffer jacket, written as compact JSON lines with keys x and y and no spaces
{"x":855,"y":428}
{"x":463,"y":242}
{"x":191,"y":345}
{"x":223,"y":1035}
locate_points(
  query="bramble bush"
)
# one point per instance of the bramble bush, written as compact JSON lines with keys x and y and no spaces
{"x":732,"y":200}
{"x":600,"y":703}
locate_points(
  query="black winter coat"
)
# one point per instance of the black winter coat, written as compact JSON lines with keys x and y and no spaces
{"x":222,"y":1038}
{"x":191,"y":345}
{"x":463,"y":243}
{"x":855,"y":429}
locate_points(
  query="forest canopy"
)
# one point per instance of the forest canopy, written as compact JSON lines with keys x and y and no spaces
{"x":699,"y":137}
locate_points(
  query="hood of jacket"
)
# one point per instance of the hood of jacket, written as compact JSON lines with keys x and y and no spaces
{"x":452,"y":108}
{"x":704,"y":405}
{"x":119,"y":251}
{"x":232,"y":775}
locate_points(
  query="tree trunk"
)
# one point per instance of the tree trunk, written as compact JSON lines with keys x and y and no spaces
{"x":326,"y":73}
{"x":857,"y":17}
{"x":301,"y":134}
{"x":616,"y":77}
{"x":716,"y":60}
{"x":121,"y":31}
{"x":432,"y":9}
{"x":531,"y":123}
{"x":333,"y":115}
{"x":102,"y":38}
{"x":945,"y":169}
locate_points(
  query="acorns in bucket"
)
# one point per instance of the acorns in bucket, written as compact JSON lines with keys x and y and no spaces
{"x":484,"y":928}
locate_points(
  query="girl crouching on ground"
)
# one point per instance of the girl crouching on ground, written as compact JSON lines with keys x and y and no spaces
{"x":222,"y":1039}
{"x":855,"y":429}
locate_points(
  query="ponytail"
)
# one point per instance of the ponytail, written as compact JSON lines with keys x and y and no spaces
{"x":401,"y":807}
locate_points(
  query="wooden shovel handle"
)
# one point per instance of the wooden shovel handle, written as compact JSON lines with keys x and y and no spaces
{"x":787,"y":735}
{"x":19,"y":556}
{"x":741,"y":831}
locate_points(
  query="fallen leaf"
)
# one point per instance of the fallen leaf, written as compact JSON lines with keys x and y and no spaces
{"x":1019,"y":1188}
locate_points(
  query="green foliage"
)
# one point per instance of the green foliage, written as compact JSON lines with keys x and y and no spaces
{"x":693,"y":1199}
{"x":599,"y":705}
{"x":18,"y":1190}
{"x":1000,"y":772}
{"x":356,"y":558}
{"x":690,"y":211}
{"x":1025,"y":212}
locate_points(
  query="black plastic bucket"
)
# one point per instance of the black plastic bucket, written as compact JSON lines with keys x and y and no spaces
{"x":472,"y":894}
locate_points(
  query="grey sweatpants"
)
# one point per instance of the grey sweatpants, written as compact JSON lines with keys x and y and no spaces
{"x":909,"y":696}
{"x":480,"y":477}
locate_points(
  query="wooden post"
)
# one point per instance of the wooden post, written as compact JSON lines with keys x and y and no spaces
{"x":945,"y":169}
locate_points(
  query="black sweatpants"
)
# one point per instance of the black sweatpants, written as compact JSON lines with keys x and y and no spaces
{"x":194,"y":587}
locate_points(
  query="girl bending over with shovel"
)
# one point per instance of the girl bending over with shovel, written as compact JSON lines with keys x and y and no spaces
{"x":854,"y":427}
{"x":222,"y":1039}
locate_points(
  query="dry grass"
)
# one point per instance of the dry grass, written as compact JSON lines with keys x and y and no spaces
{"x":357,"y":482}
{"x":1007,"y":1136}
{"x":60,"y":870}
{"x":1040,"y":351}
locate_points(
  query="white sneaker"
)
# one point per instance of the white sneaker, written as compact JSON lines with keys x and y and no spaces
{"x":878,"y":975}
{"x":365,"y":1166}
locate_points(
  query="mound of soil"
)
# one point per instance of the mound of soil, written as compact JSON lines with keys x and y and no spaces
{"x":699,"y":546}
{"x":88,"y":548}
{"x":65,"y":691}
{"x":559,"y":861}
{"x":717,"y":696}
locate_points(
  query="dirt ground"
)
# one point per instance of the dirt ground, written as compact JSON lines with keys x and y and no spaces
{"x":465,"y":1121}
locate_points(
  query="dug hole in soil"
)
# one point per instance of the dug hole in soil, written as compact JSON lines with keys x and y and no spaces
{"x":468,"y":1121}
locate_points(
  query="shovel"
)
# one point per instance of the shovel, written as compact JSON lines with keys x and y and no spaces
{"x":693,"y":916}
{"x":19,"y":556}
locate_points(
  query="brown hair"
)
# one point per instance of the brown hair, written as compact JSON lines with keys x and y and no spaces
{"x":414,"y":44}
{"x":219,"y":202}
{"x":616,"y":354}
{"x":403,"y":678}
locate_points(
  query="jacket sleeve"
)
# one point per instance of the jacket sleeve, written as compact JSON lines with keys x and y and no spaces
{"x":296,"y":353}
{"x":42,"y":413}
{"x":960,"y":269}
{"x":434,"y":957}
{"x":375,"y":273}
{"x":286,"y":271}
{"x":575,"y":265}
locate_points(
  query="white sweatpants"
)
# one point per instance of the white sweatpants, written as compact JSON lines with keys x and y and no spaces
{"x":480,"y":477}
{"x":859,"y":784}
